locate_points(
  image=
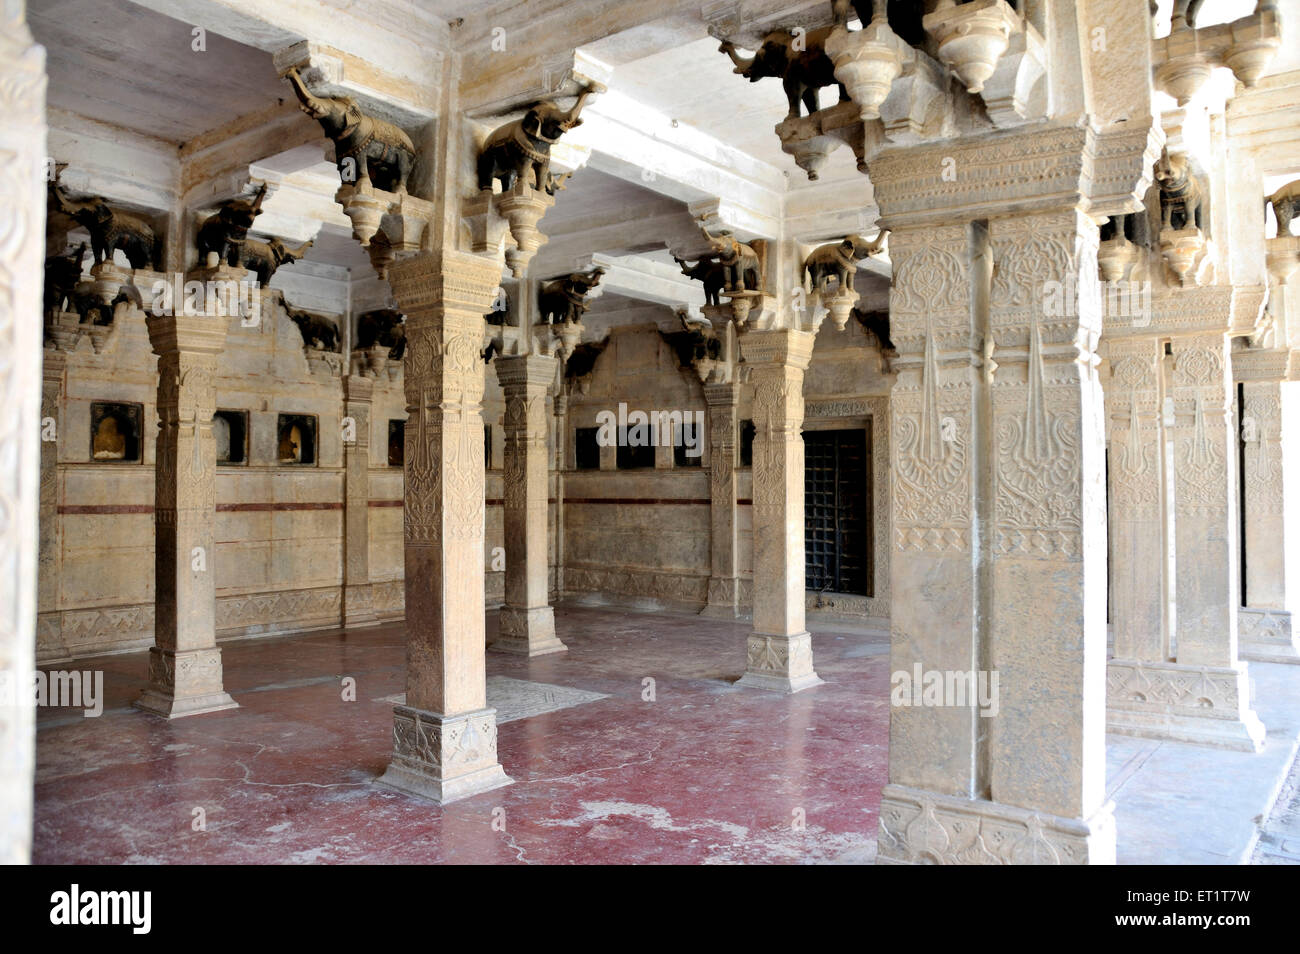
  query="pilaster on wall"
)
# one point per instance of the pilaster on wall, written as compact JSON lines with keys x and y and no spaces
{"x":724,"y":583}
{"x":50,"y":560}
{"x":22,"y":224}
{"x":358,"y":598}
{"x":444,"y":737}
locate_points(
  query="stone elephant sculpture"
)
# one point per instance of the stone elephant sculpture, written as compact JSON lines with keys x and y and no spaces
{"x":111,"y":229}
{"x":385,"y":327}
{"x":565,"y":299}
{"x":368,"y":150}
{"x":265,"y":257}
{"x":741,"y":270}
{"x":800,"y":63}
{"x":522,"y":149}
{"x":838,"y":261}
{"x":62,"y":275}
{"x":226,"y":229}
{"x":318,"y":331}
{"x":1286,"y":203}
{"x":1180,"y":193}
{"x":708,"y":271}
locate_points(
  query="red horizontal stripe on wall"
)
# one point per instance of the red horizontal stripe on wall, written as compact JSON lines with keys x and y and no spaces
{"x":246,"y":507}
{"x":105,"y":508}
{"x":385,"y":503}
{"x":654,"y":501}
{"x":744,"y":502}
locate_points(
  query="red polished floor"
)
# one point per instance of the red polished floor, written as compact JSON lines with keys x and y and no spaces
{"x":705,"y":773}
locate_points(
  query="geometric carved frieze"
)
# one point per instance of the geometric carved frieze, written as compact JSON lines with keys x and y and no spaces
{"x":1202,"y":704}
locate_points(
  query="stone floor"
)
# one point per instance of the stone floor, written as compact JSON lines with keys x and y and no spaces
{"x":694,"y":771}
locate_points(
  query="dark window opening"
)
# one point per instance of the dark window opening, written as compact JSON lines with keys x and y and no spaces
{"x":746,"y":443}
{"x":487,"y":446}
{"x":688,"y":445}
{"x":396,"y":442}
{"x":586,"y":448}
{"x":837,"y":512}
{"x":115,"y":431}
{"x":634,"y":458}
{"x":230,"y":429}
{"x":296,"y":439}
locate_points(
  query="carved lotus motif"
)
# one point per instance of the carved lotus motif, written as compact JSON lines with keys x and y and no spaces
{"x":867,"y":63}
{"x":972,"y":38}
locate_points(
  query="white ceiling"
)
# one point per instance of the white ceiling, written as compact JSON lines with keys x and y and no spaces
{"x":130,"y":67}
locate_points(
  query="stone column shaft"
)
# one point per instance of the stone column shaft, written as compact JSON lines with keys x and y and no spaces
{"x":1265,"y":628}
{"x":780,"y":648}
{"x":1048,"y":609}
{"x":936,"y":431}
{"x":358,"y":604}
{"x":444,"y":737}
{"x":185,"y":676}
{"x":724,"y":583}
{"x":527,"y":620}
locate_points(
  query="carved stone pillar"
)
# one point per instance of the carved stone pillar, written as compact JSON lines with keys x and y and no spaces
{"x":1137,"y":511}
{"x":358,"y":604}
{"x":527,"y":620}
{"x":445,"y":736}
{"x":936,"y":580}
{"x":1203,"y":695}
{"x":1047,"y":627}
{"x":22,"y":226}
{"x":185,"y":664}
{"x":780,"y":648}
{"x":49,"y":636}
{"x":561,"y":465}
{"x":724,"y":583}
{"x":1265,"y":621}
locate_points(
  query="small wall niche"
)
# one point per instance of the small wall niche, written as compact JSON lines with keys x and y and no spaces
{"x":296,"y":439}
{"x":115,"y":430}
{"x":396,"y":442}
{"x":230,"y":430}
{"x":586,"y":449}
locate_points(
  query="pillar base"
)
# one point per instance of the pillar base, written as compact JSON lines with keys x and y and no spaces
{"x":921,"y":827}
{"x":780,"y":663}
{"x":1205,"y":705}
{"x":527,"y":632}
{"x":184,"y":683}
{"x":358,"y":606}
{"x":724,"y":599}
{"x":1266,"y":636}
{"x":444,"y":758}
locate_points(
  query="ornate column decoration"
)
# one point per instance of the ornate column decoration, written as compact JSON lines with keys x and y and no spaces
{"x":724,"y":583}
{"x":936,"y":506}
{"x":1264,"y":623}
{"x":22,"y":226}
{"x":358,"y":604}
{"x":1203,"y":695}
{"x":1137,"y":495}
{"x":1047,"y":632}
{"x":185,"y":664}
{"x":527,"y":620}
{"x":780,"y":648}
{"x":444,"y":736}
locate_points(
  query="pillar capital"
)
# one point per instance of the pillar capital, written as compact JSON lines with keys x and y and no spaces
{"x":784,"y":347}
